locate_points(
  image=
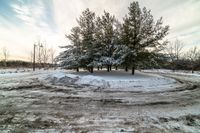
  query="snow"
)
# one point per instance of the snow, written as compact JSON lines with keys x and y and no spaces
{"x":147,"y":80}
{"x":114,"y":80}
{"x":179,"y":72}
{"x":119,"y":80}
{"x":98,"y":108}
{"x":185,"y":75}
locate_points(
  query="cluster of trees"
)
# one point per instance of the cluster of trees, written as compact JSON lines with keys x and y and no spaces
{"x":44,"y":56}
{"x":177,"y":58}
{"x":102,"y":41}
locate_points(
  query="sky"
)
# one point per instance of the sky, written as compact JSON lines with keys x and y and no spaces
{"x":25,"y":22}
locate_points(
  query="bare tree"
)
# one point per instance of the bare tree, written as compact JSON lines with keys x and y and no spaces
{"x":193,"y":55}
{"x":31,"y":57}
{"x":5,"y":55}
{"x":39,"y":47}
{"x":45,"y":55}
{"x":174,"y":51}
{"x":52,"y":56}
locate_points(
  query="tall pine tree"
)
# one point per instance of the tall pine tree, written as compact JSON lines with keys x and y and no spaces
{"x":107,"y":22}
{"x":144,"y":35}
{"x":87,"y":29}
{"x":70,"y":58}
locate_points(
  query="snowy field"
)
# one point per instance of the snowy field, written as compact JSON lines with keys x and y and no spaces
{"x":66,"y":101}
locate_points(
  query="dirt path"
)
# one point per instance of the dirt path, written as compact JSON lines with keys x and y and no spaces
{"x":36,"y":107}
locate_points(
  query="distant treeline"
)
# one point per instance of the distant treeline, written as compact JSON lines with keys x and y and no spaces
{"x":163,"y":62}
{"x":15,"y":63}
{"x":26,"y":64}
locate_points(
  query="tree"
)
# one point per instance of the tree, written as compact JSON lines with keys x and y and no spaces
{"x":74,"y":51}
{"x":193,"y":55}
{"x":98,"y":37}
{"x":39,"y":47}
{"x":126,"y":41}
{"x":31,"y":56}
{"x":52,"y":56}
{"x":174,"y":51}
{"x":45,"y":55}
{"x":5,"y":55}
{"x":144,"y":35}
{"x":109,"y":39}
{"x":87,"y":29}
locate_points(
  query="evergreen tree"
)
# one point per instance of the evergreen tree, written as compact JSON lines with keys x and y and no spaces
{"x":75,"y":55}
{"x":127,"y":52}
{"x":142,"y":35}
{"x":70,"y":58}
{"x":109,"y":40}
{"x":98,"y":37}
{"x":87,"y":29}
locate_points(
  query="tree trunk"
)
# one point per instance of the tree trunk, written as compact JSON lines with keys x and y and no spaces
{"x":91,"y":70}
{"x":101,"y":67}
{"x":126,"y":69}
{"x":98,"y":68}
{"x":192,"y":69}
{"x":133,"y":70}
{"x":116,"y":68}
{"x":5,"y":64}
{"x":77,"y":69}
{"x":108,"y":68}
{"x":88,"y":69}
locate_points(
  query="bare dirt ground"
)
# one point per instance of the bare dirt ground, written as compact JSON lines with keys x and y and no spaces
{"x":38,"y":107}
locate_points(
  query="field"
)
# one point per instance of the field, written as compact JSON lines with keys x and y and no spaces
{"x":63,"y":101}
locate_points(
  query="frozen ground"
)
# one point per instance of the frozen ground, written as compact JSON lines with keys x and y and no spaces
{"x":64,"y":101}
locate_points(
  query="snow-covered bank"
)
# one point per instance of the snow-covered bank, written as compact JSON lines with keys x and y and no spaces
{"x":111,"y":81}
{"x":118,"y":80}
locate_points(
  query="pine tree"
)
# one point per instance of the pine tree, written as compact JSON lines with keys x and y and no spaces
{"x":126,"y":52}
{"x":70,"y":58}
{"x":144,"y":36}
{"x":107,"y":23}
{"x":75,"y":55}
{"x":98,"y":37}
{"x":87,"y":29}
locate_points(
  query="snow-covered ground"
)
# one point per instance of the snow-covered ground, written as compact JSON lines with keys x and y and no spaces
{"x":188,"y":75}
{"x":66,"y":101}
{"x":115,"y":80}
{"x":118,"y":80}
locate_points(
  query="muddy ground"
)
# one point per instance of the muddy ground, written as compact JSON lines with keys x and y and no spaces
{"x":37,"y":107}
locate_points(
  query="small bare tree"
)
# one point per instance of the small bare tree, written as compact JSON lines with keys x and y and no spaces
{"x":52,"y":56}
{"x":193,"y":55}
{"x":5,"y":56}
{"x":174,"y":51}
{"x":39,"y":48}
{"x":31,"y":57}
{"x":45,"y":55}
